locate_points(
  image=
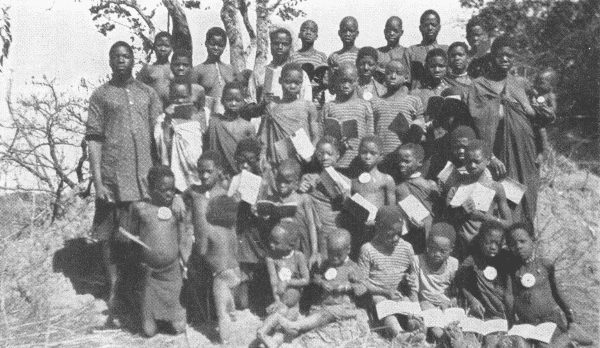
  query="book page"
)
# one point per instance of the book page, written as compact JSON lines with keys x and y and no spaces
{"x":482,"y":197}
{"x":444,"y":175}
{"x":388,"y":307}
{"x":249,"y":187}
{"x":481,"y":327}
{"x":370,"y":207}
{"x":496,"y":325}
{"x":433,"y":317}
{"x":514,"y":190}
{"x":414,"y":208}
{"x":344,"y":185}
{"x":302,"y":144}
{"x":454,"y":314}
{"x":542,"y":332}
{"x":461,"y":195}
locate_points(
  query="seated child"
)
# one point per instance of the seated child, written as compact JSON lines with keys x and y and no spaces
{"x":393,"y":50}
{"x":225,"y":131}
{"x":347,"y":106}
{"x":166,"y":251}
{"x":177,"y":133}
{"x":373,"y":185}
{"x":386,"y":262}
{"x":466,"y":217}
{"x":536,"y":296}
{"x":410,"y":160}
{"x":396,"y":106}
{"x":158,"y":75}
{"x":366,"y":63}
{"x":458,"y":141}
{"x":458,"y":61}
{"x":327,"y":207}
{"x":433,"y":83}
{"x":436,"y":270}
{"x":287,"y":180}
{"x":340,"y":280}
{"x":288,"y":273}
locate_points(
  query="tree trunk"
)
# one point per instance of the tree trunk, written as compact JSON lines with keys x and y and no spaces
{"x":237,"y":54}
{"x":182,"y":37}
{"x":263,"y":24}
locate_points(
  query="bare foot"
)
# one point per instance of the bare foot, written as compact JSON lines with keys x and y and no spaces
{"x":289,"y":327}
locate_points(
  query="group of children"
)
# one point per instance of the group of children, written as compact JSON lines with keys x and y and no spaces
{"x":424,"y":238}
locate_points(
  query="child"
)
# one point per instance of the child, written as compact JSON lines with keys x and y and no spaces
{"x":286,"y":185}
{"x":167,"y":248}
{"x":158,"y":75}
{"x":396,"y":105}
{"x":327,"y":207}
{"x":436,"y":270}
{"x":309,"y":32}
{"x":458,"y":62}
{"x":285,"y":116}
{"x":347,"y":106}
{"x":466,"y":217}
{"x":340,"y":280}
{"x":177,"y":132}
{"x":373,"y":185}
{"x":432,"y":82}
{"x":544,"y":102}
{"x":410,"y":160}
{"x":368,"y":86}
{"x":414,"y":56}
{"x":214,"y":74}
{"x":288,"y":273}
{"x":348,"y":33}
{"x":479,"y":56}
{"x":181,"y":67}
{"x":225,"y":131}
{"x":393,"y":50}
{"x":536,"y":296}
{"x":459,"y":139}
{"x":385,"y":262}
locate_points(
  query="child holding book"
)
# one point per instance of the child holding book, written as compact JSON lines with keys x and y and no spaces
{"x":458,"y":61}
{"x":432,"y":83}
{"x":412,"y":183}
{"x":347,"y":107}
{"x":385,"y":262}
{"x":288,"y":274}
{"x":466,"y":215}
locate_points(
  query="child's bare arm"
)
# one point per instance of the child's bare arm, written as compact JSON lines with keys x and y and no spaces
{"x":502,"y":203}
{"x":315,"y":127}
{"x":556,"y":294}
{"x":390,"y":190}
{"x":306,"y":204}
{"x":273,"y":278}
{"x":370,"y":122}
{"x":305,"y":276}
{"x":201,"y":226}
{"x":186,"y":239}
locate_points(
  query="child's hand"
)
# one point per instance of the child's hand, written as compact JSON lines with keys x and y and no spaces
{"x":281,"y":287}
{"x":394,"y":295}
{"x":315,"y":259}
{"x":370,"y":223}
{"x":411,"y":280}
{"x":469,"y":206}
{"x":498,"y":168}
{"x":169,"y":110}
{"x":268,"y":98}
{"x":305,"y":186}
{"x":476,"y":308}
{"x":416,"y":223}
{"x":274,"y":307}
{"x":178,"y":207}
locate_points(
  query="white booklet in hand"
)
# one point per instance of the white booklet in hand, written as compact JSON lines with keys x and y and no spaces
{"x":542,"y":332}
{"x":386,"y":308}
{"x":247,"y":185}
{"x":482,"y":327}
{"x":302,"y":144}
{"x":334,"y":183}
{"x":444,"y":175}
{"x":435,"y":317}
{"x":514,"y":190}
{"x":481,"y":195}
{"x":414,"y":208}
{"x":365,"y":205}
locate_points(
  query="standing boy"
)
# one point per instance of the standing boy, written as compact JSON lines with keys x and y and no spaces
{"x":158,"y":75}
{"x":309,"y":32}
{"x":393,"y":50}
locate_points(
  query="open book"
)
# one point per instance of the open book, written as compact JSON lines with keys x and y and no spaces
{"x":386,"y":308}
{"x":302,"y":144}
{"x":347,"y":129}
{"x":481,"y":327}
{"x":247,"y":185}
{"x":334,"y":183}
{"x":433,"y":317}
{"x":414,"y":208}
{"x":361,"y":208}
{"x":514,"y":190}
{"x":481,"y":195}
{"x":268,"y":208}
{"x":542,"y":332}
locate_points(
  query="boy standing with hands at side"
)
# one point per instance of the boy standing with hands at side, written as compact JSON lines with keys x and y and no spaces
{"x":309,"y":32}
{"x":393,"y":50}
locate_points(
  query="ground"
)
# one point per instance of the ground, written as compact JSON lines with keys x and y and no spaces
{"x":39,"y":307}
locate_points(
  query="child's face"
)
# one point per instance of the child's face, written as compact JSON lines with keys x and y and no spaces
{"x":247,"y":161}
{"x":215,"y":45}
{"x":430,"y":27}
{"x":181,"y":66}
{"x":279,"y":241}
{"x":163,"y":192}
{"x":438,"y":250}
{"x":392,"y":32}
{"x":291,"y":83}
{"x":327,"y":155}
{"x":365,"y":66}
{"x":459,"y":147}
{"x":391,"y":237}
{"x":408,"y":163}
{"x":209,"y":174}
{"x":233,"y":100}
{"x":179,"y":94}
{"x":458,"y":59}
{"x":287,"y":182}
{"x":477,"y":37}
{"x":369,"y":154}
{"x":395,"y":75}
{"x":346,"y":82}
{"x":520,"y":244}
{"x":309,"y":32}
{"x":121,"y":61}
{"x":348,"y":32}
{"x":504,"y":59}
{"x":491,"y":243}
{"x":476,"y":163}
{"x":338,"y":254}
{"x":280,"y":46}
{"x":162,"y":47}
{"x":436,"y":66}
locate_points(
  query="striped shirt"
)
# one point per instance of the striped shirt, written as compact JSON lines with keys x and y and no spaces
{"x":336,"y":58}
{"x":353,"y":109}
{"x":386,"y":110}
{"x":314,"y":57}
{"x":386,"y":270}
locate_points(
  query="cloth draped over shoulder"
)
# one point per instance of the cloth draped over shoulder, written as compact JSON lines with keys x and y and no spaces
{"x":224,"y":136}
{"x":505,"y":126}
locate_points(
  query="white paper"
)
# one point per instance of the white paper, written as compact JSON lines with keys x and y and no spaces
{"x":543,"y":332}
{"x":302,"y":144}
{"x":481,"y":195}
{"x":513,"y":189}
{"x":414,"y":208}
{"x":444,"y":175}
{"x":388,"y":307}
{"x":247,"y":185}
{"x":372,"y":208}
{"x":483,"y":327}
{"x":461,"y":195}
{"x":436,"y":318}
{"x":338,"y":178}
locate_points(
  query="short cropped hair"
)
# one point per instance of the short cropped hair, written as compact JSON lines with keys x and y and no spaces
{"x":442,"y":229}
{"x":216,"y":31}
{"x":349,"y":19}
{"x":328,"y":139}
{"x":479,"y":145}
{"x":213,"y":156}
{"x":416,"y":149}
{"x":291,"y":67}
{"x":163,"y":34}
{"x":233,"y":85}
{"x":180,"y":52}
{"x":274,"y":33}
{"x":503,"y":41}
{"x":399,"y":62}
{"x":248,"y":145}
{"x":290,"y":165}
{"x":340,"y":234}
{"x":222,"y":211}
{"x":372,"y":139}
{"x":490,"y":225}
{"x":430,"y":12}
{"x":157,"y":173}
{"x":367,"y":51}
{"x":394,"y":18}
{"x":436,"y":52}
{"x":458,"y":44}
{"x":120,"y":44}
{"x":476,"y":21}
{"x":521,"y":226}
